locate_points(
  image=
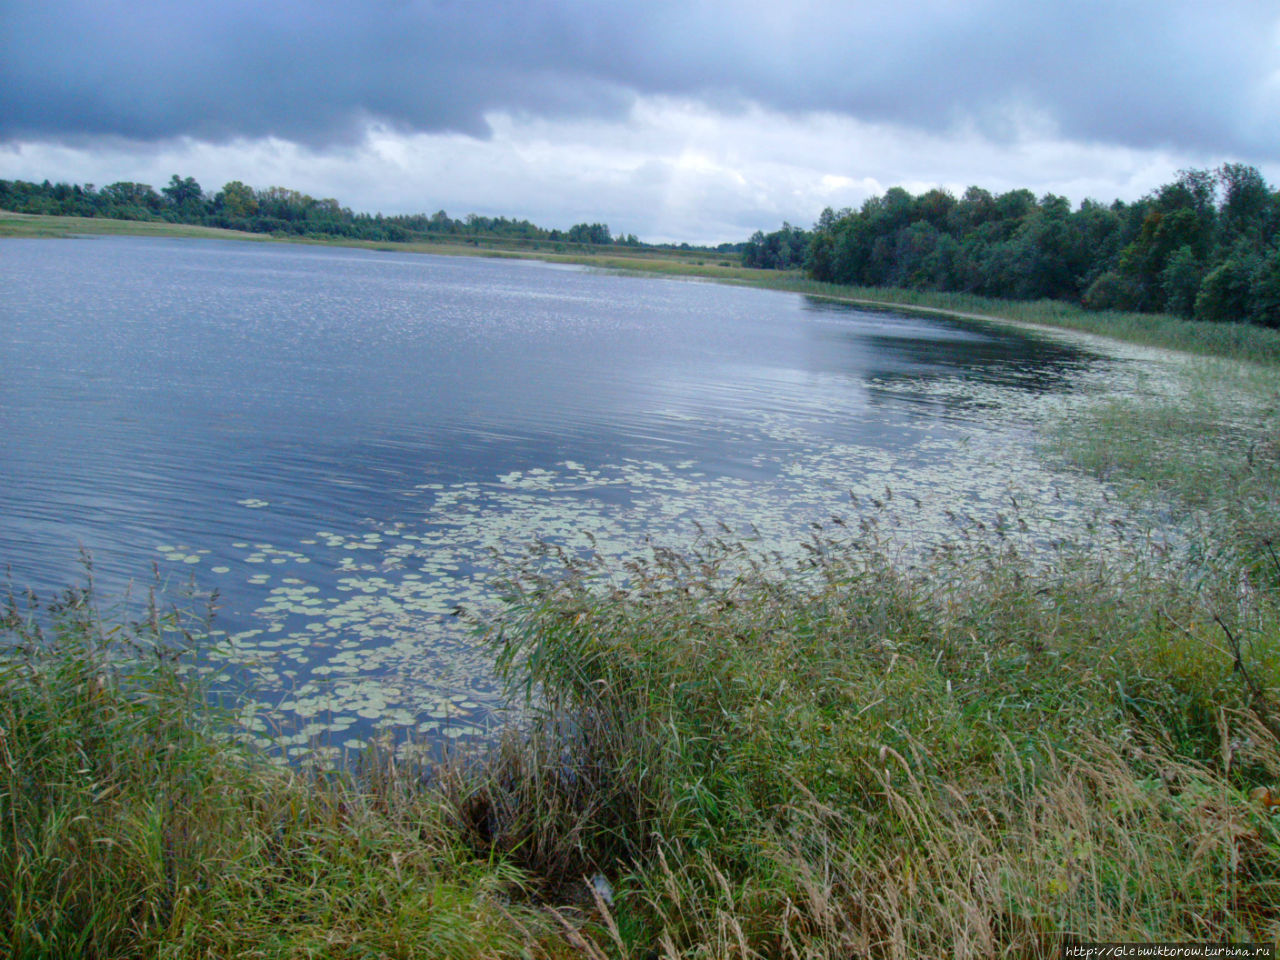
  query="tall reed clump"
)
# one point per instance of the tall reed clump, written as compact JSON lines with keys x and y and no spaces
{"x":971,"y":756}
{"x":131,"y":825}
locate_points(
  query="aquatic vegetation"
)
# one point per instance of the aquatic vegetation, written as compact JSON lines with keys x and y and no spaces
{"x":983,"y":753}
{"x":365,"y":622}
{"x":1209,"y":451}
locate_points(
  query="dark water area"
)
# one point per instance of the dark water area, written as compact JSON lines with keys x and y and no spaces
{"x":331,"y":438}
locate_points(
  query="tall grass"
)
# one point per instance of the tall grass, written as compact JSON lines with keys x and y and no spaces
{"x":977,"y":757}
{"x":131,"y":824}
{"x":1205,"y":445}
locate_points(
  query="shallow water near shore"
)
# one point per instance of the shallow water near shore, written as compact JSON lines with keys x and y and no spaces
{"x":336,"y":440}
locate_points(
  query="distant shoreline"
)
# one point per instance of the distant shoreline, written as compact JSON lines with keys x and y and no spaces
{"x":1234,"y":341}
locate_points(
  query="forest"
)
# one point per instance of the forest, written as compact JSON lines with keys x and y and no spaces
{"x":276,"y":210}
{"x":1206,"y":245}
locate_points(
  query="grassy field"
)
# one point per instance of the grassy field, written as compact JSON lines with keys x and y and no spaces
{"x":976,"y":754}
{"x":31,"y":225}
{"x":642,"y":258}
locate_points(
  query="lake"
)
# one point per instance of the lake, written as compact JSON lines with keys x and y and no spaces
{"x":334,"y":439}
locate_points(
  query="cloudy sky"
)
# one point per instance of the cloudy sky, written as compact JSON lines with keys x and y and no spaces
{"x":681,"y":120}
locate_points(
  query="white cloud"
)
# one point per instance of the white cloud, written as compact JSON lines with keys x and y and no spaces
{"x":671,"y":169}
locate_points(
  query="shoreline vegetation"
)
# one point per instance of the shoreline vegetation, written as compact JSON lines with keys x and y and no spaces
{"x":975,"y":753}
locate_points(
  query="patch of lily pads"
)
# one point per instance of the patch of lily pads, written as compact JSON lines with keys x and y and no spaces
{"x":355,"y":634}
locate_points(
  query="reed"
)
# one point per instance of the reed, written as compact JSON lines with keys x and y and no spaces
{"x":976,"y":757}
{"x":1202,"y":445}
{"x":133,"y":825}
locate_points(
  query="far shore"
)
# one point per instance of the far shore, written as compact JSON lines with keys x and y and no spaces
{"x":1235,"y":341}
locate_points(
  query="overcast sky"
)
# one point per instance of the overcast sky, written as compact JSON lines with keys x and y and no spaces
{"x":671,"y":120}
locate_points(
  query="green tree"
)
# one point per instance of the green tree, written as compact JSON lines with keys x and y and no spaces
{"x":1245,"y":201}
{"x":126,"y":194}
{"x":935,"y":207}
{"x":1264,"y":306}
{"x":975,"y":208}
{"x":1180,"y":281}
{"x":236,"y":200}
{"x":1013,"y":206}
{"x":590,"y":233}
{"x":183,"y":192}
{"x":784,"y":249}
{"x":1224,"y":294}
{"x":1112,"y":290}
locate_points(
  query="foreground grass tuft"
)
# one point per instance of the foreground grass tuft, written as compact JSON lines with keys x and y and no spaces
{"x":132,"y":826}
{"x":977,"y":757}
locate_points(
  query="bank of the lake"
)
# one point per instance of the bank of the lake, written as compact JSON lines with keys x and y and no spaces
{"x":972,"y":753}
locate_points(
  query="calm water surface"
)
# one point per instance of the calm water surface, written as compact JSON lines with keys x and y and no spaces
{"x":333,"y":438}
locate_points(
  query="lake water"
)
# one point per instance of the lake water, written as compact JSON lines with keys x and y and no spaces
{"x":332,"y":439}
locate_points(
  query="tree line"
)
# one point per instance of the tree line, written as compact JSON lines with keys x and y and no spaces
{"x":276,"y":210}
{"x":1206,"y":245}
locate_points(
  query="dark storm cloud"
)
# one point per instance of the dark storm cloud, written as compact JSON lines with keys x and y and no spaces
{"x":313,"y":72}
{"x":1200,"y":77}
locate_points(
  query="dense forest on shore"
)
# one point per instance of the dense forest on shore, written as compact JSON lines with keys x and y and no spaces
{"x":284,"y":212}
{"x":1206,"y":246}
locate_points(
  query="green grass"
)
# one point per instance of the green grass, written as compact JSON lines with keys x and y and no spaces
{"x":980,"y":755}
{"x":32,"y":225}
{"x":131,"y":825}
